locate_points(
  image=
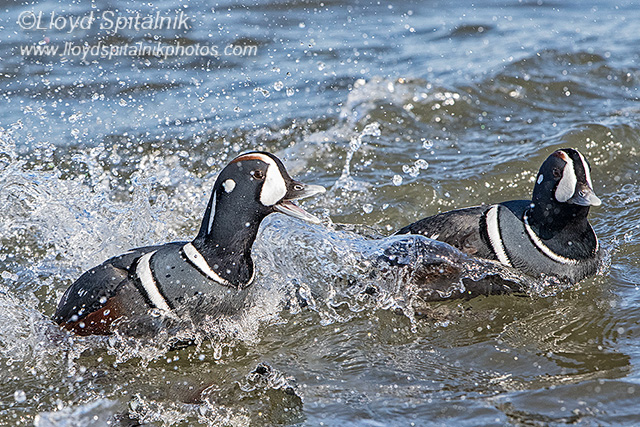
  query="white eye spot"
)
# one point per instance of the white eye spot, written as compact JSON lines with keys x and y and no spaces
{"x":540,"y":178}
{"x":229,"y":185}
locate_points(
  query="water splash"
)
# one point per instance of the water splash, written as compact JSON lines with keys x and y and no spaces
{"x":338,"y":273}
{"x":97,"y":412}
{"x":346,"y":181}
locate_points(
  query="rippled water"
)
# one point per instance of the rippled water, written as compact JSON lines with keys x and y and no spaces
{"x":402,"y":110}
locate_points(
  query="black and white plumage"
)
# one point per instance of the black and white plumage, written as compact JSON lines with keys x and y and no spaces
{"x":210,"y":273}
{"x":549,"y":234}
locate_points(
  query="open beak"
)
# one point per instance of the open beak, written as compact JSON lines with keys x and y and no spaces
{"x":298,"y":190}
{"x":584,"y":196}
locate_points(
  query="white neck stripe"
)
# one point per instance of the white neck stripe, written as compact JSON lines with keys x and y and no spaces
{"x":143,"y":270}
{"x":493,"y":230}
{"x":587,"y":172}
{"x":544,"y":248}
{"x":253,"y":276}
{"x":212,"y":212}
{"x":198,"y":260}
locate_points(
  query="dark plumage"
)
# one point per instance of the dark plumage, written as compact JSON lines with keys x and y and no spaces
{"x":549,"y":234}
{"x":207,"y":276}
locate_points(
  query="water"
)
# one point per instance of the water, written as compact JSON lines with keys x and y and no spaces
{"x":402,"y":110}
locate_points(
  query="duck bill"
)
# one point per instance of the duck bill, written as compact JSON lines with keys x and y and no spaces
{"x":584,"y":196}
{"x":298,"y":191}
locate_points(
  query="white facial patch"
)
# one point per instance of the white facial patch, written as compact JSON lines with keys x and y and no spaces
{"x":229,"y":185}
{"x":274,"y":187}
{"x":567,"y":185}
{"x":587,"y":172}
{"x":540,"y":178}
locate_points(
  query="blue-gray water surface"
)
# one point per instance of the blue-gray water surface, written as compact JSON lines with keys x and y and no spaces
{"x":402,"y":109}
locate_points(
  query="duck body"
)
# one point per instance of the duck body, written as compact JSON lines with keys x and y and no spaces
{"x":208,"y":276}
{"x":161,"y":278}
{"x":548,"y":235}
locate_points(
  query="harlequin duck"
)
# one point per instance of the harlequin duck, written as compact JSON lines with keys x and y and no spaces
{"x":212,"y":271}
{"x":549,"y":234}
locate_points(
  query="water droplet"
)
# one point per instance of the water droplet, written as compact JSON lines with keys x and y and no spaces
{"x":397,"y":180}
{"x":20,"y":396}
{"x":74,"y":117}
{"x":290,"y":91}
{"x":264,"y":92}
{"x":372,"y":129}
{"x":421,"y":164}
{"x":367,"y":208}
{"x":278,"y":86}
{"x":7,"y":275}
{"x":217,"y":352}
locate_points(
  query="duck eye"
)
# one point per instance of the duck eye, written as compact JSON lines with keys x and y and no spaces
{"x":257,"y":174}
{"x":298,"y":187}
{"x":557,"y":173}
